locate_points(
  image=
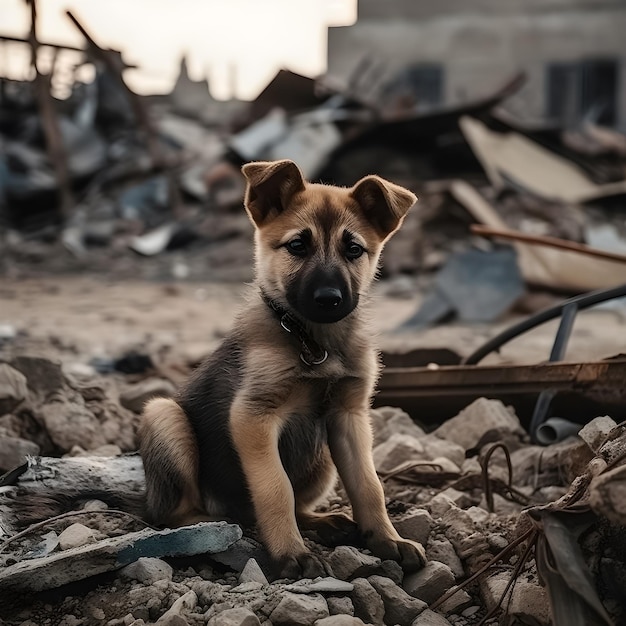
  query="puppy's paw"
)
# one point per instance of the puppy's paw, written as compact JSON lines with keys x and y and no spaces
{"x":409,"y":554}
{"x":303,"y":565}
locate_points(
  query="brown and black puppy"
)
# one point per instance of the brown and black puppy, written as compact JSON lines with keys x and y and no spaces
{"x":259,"y":431}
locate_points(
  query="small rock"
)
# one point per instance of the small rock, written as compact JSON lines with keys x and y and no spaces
{"x":416,"y":525}
{"x":95,"y":505}
{"x":368,"y":605}
{"x":470,"y":610}
{"x":252,"y":572}
{"x":14,"y":450}
{"x":77,"y":535}
{"x":456,"y":603}
{"x":430,"y":618}
{"x":528,"y":603}
{"x":400,"y":607}
{"x":13,"y":388}
{"x":391,"y":569}
{"x":299,"y":610}
{"x":496,"y":542}
{"x":133,"y":398}
{"x":429,"y":583}
{"x":247,"y":587}
{"x":442,"y":550}
{"x":460,"y":498}
{"x":468,"y":427}
{"x":439,"y":505}
{"x":340,"y":605}
{"x":186,"y":602}
{"x":347,"y":562}
{"x":607,"y":494}
{"x":320,"y":585}
{"x":235,"y":617}
{"x":42,"y":375}
{"x":147,"y":570}
{"x":436,"y":447}
{"x":594,"y":433}
{"x":339,"y":620}
{"x":396,"y":450}
{"x":71,"y":423}
{"x":478,"y":515}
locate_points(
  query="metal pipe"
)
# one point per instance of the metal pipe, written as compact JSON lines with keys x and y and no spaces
{"x":555,"y":430}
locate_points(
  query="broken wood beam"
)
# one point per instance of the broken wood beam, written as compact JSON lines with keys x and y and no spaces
{"x":139,"y":107}
{"x":50,"y":122}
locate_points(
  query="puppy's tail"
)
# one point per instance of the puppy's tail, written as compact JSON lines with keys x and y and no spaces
{"x":45,"y":487}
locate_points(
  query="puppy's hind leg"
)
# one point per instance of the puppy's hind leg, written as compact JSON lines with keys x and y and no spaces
{"x":169,"y":451}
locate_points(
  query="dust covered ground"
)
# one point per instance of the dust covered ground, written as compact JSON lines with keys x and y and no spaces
{"x":85,"y":322}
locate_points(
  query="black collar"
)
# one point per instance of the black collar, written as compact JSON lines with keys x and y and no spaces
{"x":312,"y":353}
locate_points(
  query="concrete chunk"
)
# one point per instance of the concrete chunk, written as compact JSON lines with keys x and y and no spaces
{"x":110,"y":554}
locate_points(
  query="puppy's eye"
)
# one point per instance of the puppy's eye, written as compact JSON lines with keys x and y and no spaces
{"x":297,"y":247}
{"x":354,"y":250}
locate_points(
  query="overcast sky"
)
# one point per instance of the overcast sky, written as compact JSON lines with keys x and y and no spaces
{"x":255,"y":37}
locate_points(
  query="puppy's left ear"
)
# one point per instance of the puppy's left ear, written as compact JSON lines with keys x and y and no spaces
{"x":384,"y":204}
{"x":271,"y":184}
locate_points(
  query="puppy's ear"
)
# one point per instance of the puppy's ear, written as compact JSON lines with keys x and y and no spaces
{"x":383,"y":203}
{"x":271,"y":184}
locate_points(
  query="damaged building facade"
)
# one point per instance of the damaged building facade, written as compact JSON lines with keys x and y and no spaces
{"x":447,"y":52}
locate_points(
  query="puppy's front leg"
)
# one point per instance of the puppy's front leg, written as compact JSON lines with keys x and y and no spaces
{"x":350,"y":439}
{"x":255,"y":437}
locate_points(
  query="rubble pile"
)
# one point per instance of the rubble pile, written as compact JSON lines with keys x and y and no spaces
{"x":152,"y":185}
{"x":449,"y":488}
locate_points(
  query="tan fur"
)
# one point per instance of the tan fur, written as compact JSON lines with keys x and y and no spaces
{"x":273,"y":386}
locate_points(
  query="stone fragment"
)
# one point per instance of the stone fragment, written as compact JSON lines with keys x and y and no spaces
{"x":391,"y":569}
{"x":77,"y":535}
{"x":13,"y":388}
{"x":238,"y":555}
{"x":186,"y":602}
{"x":594,"y":433}
{"x":368,"y":605}
{"x":14,"y":450}
{"x":436,"y":447}
{"x":71,"y":424}
{"x":339,"y":620}
{"x":340,"y":605}
{"x":147,"y":570}
{"x":320,"y":585}
{"x":396,"y":450}
{"x":456,"y":603}
{"x":43,"y":376}
{"x":528,"y":603}
{"x":347,"y":562}
{"x":416,"y":524}
{"x":430,"y":618}
{"x":252,"y":572}
{"x":114,"y":553}
{"x":439,"y":505}
{"x":460,"y":499}
{"x":134,"y":397}
{"x":247,"y":587}
{"x":442,"y":550}
{"x":400,"y":607}
{"x":387,"y":420}
{"x":299,"y":610}
{"x":483,"y":415}
{"x":429,"y":583}
{"x":235,"y":617}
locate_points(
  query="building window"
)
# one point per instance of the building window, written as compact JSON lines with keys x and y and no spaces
{"x":580,"y":89}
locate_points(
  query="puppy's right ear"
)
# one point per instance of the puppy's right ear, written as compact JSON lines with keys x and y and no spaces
{"x":271,"y":184}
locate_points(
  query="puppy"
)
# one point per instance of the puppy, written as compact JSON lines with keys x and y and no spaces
{"x":261,"y":428}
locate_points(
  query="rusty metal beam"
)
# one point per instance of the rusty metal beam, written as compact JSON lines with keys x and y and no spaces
{"x":432,"y":395}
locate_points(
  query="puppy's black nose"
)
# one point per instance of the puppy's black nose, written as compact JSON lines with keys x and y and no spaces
{"x":327,"y":297}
